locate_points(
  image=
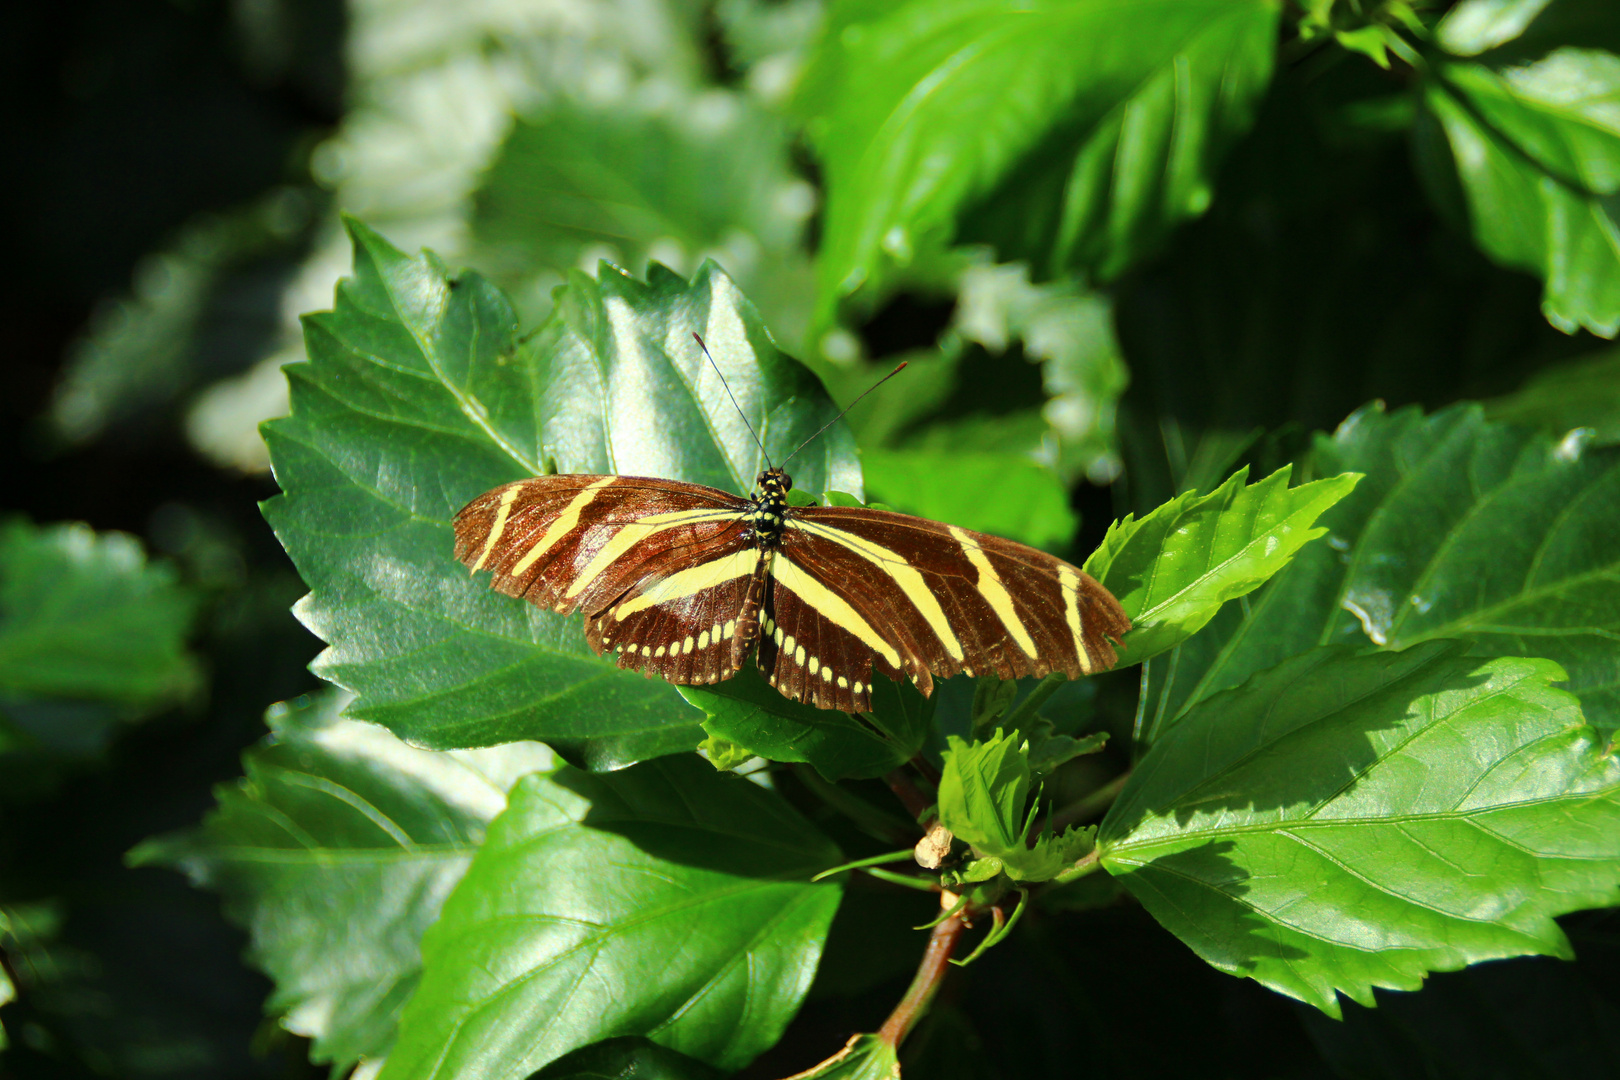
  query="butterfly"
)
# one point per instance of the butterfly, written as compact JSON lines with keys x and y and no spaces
{"x":686,"y":582}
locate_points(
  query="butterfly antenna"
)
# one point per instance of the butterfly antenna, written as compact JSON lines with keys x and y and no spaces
{"x":845,"y":409}
{"x":696,"y":337}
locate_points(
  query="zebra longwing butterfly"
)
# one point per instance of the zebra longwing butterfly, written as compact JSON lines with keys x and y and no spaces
{"x":684,"y":581}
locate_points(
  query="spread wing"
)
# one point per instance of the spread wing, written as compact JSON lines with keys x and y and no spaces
{"x":667,"y":573}
{"x":852,"y":590}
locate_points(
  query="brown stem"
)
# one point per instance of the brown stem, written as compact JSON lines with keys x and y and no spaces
{"x":936,"y":962}
{"x":910,"y":795}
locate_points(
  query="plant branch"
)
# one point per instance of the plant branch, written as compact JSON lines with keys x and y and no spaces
{"x":905,"y":789}
{"x":930,"y":974}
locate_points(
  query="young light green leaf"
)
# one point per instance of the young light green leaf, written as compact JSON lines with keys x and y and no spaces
{"x":85,"y":618}
{"x":747,"y":711}
{"x":1071,"y":133}
{"x":1537,"y":154}
{"x":1345,"y":822}
{"x":335,"y":853}
{"x":664,"y":900}
{"x":998,"y":493}
{"x":984,"y":791}
{"x":1461,"y":528}
{"x":1174,"y":568}
{"x":864,"y":1057}
{"x":419,"y":396}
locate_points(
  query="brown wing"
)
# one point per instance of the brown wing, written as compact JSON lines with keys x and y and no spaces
{"x":915,"y":598}
{"x":657,"y":566}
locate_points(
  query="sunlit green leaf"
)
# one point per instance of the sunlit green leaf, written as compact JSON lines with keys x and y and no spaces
{"x":1070,"y":133}
{"x":984,"y":792}
{"x":1460,"y":529}
{"x":335,"y":853}
{"x":1536,"y":151}
{"x":419,"y":396}
{"x":1344,"y":822}
{"x":1001,"y":494}
{"x":665,"y":900}
{"x":1173,"y":569}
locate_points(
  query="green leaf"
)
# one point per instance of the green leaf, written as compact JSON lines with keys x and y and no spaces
{"x":85,"y":618}
{"x":620,"y":1059}
{"x":1580,"y":393}
{"x":984,"y":788}
{"x":335,"y":853}
{"x":665,"y":900}
{"x":1174,"y":568}
{"x":864,"y":1057}
{"x":1344,"y":822}
{"x":1460,"y":529}
{"x":1071,"y":133}
{"x":747,"y":711}
{"x":678,"y":182}
{"x":1536,"y":151}
{"x":1003,"y":494}
{"x":419,"y":396}
{"x":1476,"y":26}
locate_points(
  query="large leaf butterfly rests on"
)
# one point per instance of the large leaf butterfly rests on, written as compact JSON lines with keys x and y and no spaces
{"x":686,"y":582}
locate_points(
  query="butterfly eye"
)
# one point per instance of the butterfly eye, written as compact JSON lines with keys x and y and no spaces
{"x":787,"y":482}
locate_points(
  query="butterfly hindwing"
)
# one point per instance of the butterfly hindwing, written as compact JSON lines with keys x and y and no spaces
{"x":692,"y":626}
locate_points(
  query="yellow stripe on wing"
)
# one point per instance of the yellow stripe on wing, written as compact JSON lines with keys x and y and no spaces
{"x":635,"y":532}
{"x":690,"y":582}
{"x":993,"y":591}
{"x":565,"y":523}
{"x":830,"y":606}
{"x":907,"y":578}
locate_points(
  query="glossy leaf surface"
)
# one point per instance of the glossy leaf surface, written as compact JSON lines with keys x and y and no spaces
{"x":335,"y":853}
{"x":1343,"y":822}
{"x":419,"y":396}
{"x":1002,"y":494}
{"x":1173,"y":568}
{"x":1071,"y":133}
{"x":665,"y":900}
{"x":1461,"y":528}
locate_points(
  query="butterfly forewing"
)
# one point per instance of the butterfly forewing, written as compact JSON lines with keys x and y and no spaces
{"x":577,"y":542}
